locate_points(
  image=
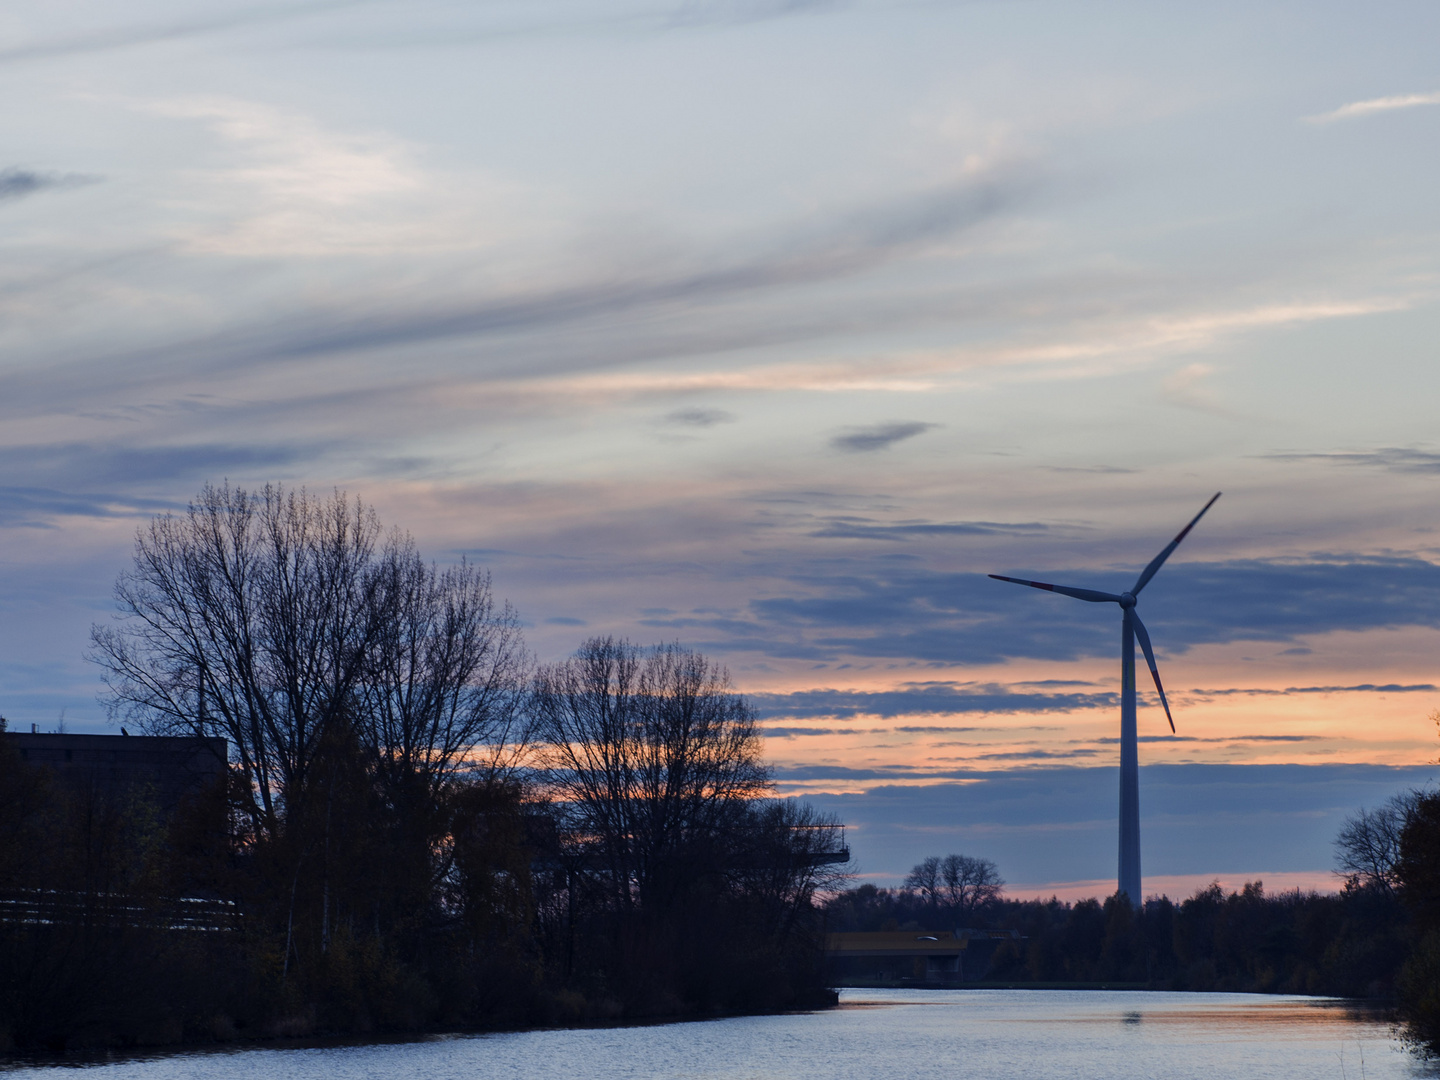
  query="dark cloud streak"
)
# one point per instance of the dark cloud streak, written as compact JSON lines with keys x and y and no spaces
{"x":939,"y":699}
{"x":1389,"y":458}
{"x":702,"y":418}
{"x":854,"y":528}
{"x":879,"y":436}
{"x":122,"y":37}
{"x":17,"y":183}
{"x":835,"y":249}
{"x":903,"y":611}
{"x":36,"y":507}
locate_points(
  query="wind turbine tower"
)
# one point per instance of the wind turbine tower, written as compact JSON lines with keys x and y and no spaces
{"x":1130,"y":628}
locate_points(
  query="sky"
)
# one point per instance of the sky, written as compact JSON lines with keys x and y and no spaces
{"x":772,"y":327}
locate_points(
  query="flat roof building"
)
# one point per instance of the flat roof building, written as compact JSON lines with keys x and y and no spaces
{"x":170,"y":767}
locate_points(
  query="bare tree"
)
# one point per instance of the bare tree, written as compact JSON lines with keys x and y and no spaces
{"x":444,"y":676}
{"x":651,"y":754}
{"x":271,"y":619}
{"x":782,"y":855}
{"x":1367,"y":848}
{"x":925,"y":878}
{"x":959,"y":885}
{"x":247,"y":617}
{"x":969,"y":884}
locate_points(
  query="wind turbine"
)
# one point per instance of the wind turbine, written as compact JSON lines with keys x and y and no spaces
{"x":1130,"y":628}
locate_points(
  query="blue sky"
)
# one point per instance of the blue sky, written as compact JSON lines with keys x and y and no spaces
{"x":771,"y":326}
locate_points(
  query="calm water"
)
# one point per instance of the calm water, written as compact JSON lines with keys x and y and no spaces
{"x":982,"y":1034}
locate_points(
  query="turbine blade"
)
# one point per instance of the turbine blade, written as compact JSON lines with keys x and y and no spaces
{"x":1144,"y":636}
{"x":1092,"y":595}
{"x":1159,"y":560}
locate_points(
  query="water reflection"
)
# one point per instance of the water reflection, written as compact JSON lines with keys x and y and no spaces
{"x":993,"y":1034}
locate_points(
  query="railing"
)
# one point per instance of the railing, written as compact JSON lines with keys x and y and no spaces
{"x":72,"y":907}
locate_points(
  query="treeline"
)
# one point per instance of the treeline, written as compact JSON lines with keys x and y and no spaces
{"x":419,"y":827}
{"x":1352,"y":944}
{"x":1378,"y":937}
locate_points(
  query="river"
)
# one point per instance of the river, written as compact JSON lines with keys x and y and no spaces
{"x":920,"y":1034}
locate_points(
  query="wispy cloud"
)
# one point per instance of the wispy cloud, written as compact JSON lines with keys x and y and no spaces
{"x":1222,"y":739}
{"x":1376,"y":105}
{"x":702,"y":418}
{"x":123,"y":465}
{"x":1392,"y":458}
{"x":16,"y":183}
{"x":924,"y":699}
{"x":857,"y":528}
{"x":791,"y":732}
{"x":105,"y":39}
{"x":864,"y":440}
{"x":39,"y":507}
{"x":833,"y":248}
{"x":1357,"y":688}
{"x":693,"y":13}
{"x":899,"y":610}
{"x":1190,"y":388}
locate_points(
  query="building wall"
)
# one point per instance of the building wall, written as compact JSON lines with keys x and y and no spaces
{"x":169,"y":767}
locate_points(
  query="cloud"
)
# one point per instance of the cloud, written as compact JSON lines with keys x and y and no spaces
{"x":699,"y":417}
{"x":39,"y":506}
{"x":1102,"y":470}
{"x":136,"y":34}
{"x":890,"y":609}
{"x":825,"y":249}
{"x":1188,"y":388}
{"x":923,"y":729}
{"x":857,"y":528}
{"x":1221,"y":739}
{"x":1055,"y":823}
{"x":1358,"y":688}
{"x":299,"y":188}
{"x":694,"y":13}
{"x":1376,"y":105}
{"x":1391,"y":458}
{"x":924,"y":699}
{"x":16,"y":183}
{"x":128,"y":465}
{"x":879,"y":436}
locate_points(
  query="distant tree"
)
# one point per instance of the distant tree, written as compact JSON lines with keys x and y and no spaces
{"x":652,"y":756}
{"x":664,"y":824}
{"x":445,"y":673}
{"x":969,"y":884}
{"x":958,"y":886}
{"x":1368,"y":846}
{"x":926,"y":878}
{"x":780,"y":858}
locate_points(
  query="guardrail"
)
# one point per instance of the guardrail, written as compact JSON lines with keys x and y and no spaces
{"x":73,"y":907}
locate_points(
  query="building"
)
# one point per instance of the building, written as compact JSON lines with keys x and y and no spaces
{"x":165,"y":768}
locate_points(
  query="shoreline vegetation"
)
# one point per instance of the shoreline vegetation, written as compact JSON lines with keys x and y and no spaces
{"x":419,"y":830}
{"x":1353,"y":944}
